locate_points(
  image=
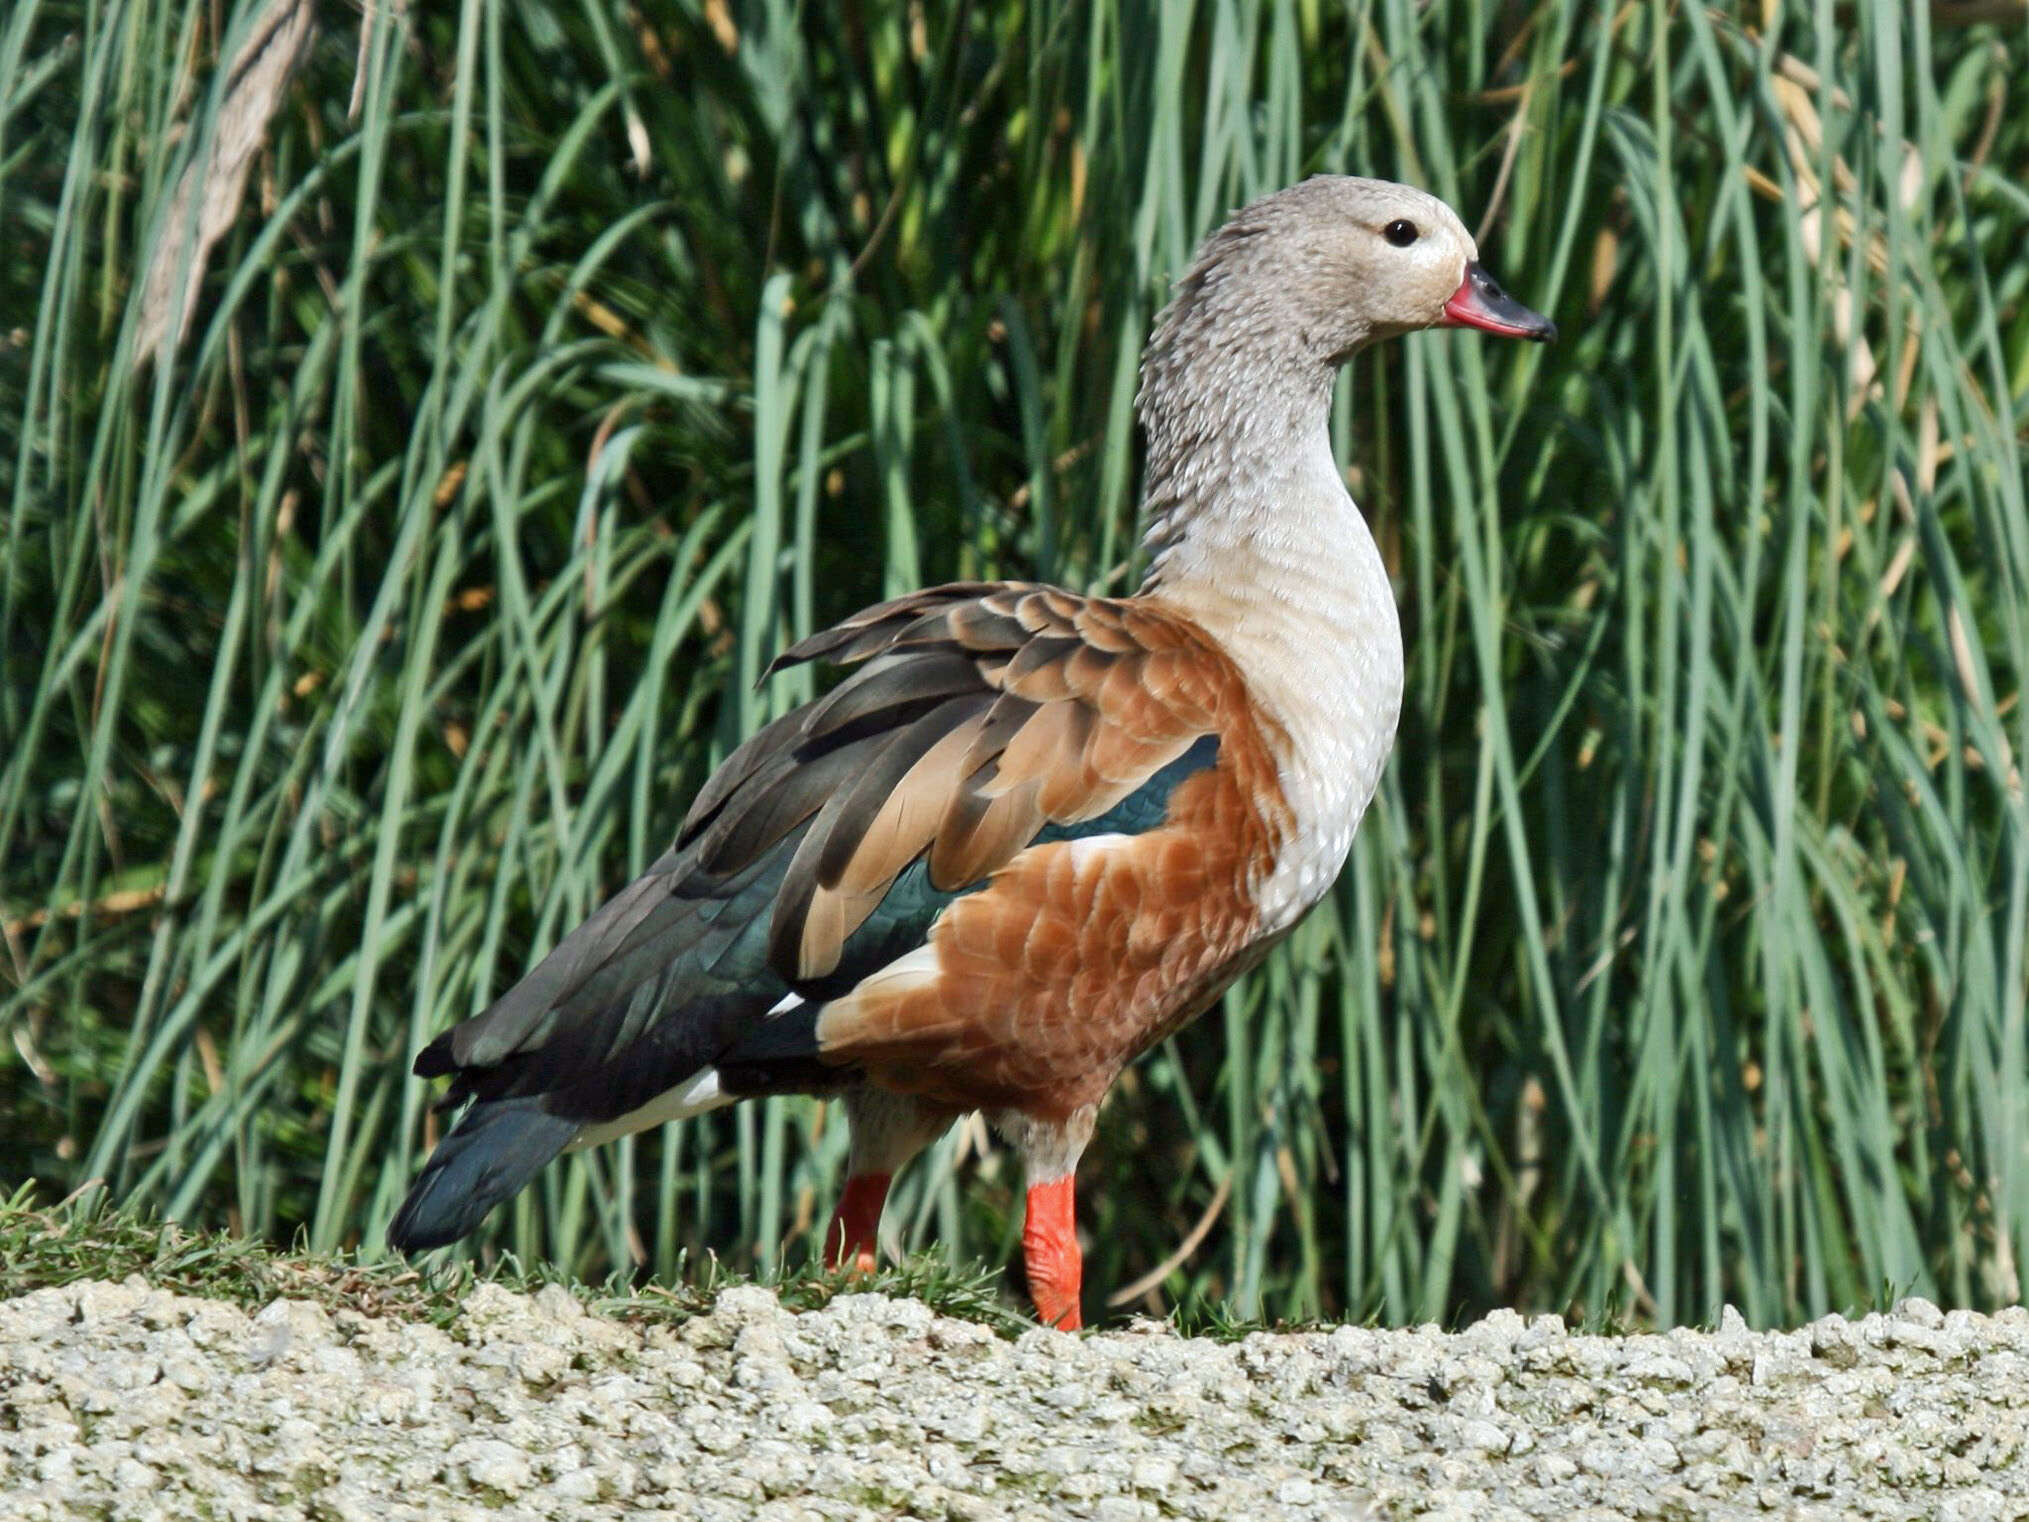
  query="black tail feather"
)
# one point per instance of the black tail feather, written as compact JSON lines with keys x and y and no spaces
{"x":497,"y":1147}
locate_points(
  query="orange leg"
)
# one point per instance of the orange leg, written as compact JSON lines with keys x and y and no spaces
{"x":854,"y":1239}
{"x":1050,"y":1249}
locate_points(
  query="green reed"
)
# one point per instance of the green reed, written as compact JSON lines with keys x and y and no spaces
{"x":356,"y":647}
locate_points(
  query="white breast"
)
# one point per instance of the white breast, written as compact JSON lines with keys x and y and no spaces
{"x":1300,"y":598}
{"x":1335,"y":682}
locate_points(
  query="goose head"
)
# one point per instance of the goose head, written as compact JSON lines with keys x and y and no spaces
{"x":1306,"y":277}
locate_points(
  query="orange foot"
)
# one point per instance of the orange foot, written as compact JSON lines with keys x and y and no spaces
{"x":1050,"y":1249}
{"x":854,"y":1238}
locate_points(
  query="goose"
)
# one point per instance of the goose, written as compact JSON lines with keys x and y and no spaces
{"x":1030,"y":833}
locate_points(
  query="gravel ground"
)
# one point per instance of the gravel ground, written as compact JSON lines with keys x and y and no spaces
{"x":119,"y":1401}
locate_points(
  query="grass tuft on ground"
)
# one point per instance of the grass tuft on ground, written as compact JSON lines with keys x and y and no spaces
{"x":86,"y":1237}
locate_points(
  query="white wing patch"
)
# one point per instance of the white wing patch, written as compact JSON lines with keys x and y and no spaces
{"x":695,"y":1095}
{"x":908,"y":972}
{"x":1085,"y":847}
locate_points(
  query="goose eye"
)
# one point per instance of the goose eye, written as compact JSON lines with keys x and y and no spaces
{"x":1400,"y":232}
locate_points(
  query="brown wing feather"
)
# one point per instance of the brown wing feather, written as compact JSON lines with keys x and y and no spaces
{"x":882,"y":688}
{"x":1049,"y":751}
{"x":903,"y":825}
{"x":982,"y":831}
{"x":886,"y":619}
{"x":812,"y":920}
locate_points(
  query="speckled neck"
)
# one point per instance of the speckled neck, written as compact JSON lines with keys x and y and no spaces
{"x":1235,"y":408}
